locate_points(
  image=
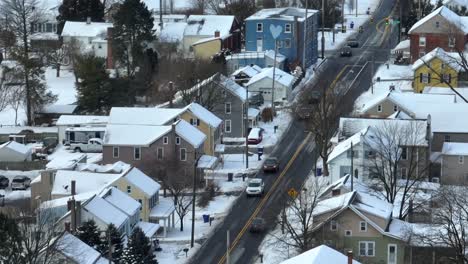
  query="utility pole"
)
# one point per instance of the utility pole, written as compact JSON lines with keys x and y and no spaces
{"x":352,"y":167}
{"x":304,"y":65}
{"x":419,"y":10}
{"x":333,"y":28}
{"x":273,"y":82}
{"x":323,"y":28}
{"x":399,"y":24}
{"x":161,"y":14}
{"x":356,"y":6}
{"x":342,"y":15}
{"x":227,"y":250}
{"x":372,"y":74}
{"x":247,"y":127}
{"x":192,"y":238}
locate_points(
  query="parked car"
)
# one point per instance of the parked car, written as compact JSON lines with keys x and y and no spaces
{"x":255,"y":187}
{"x":20,"y":183}
{"x":353,"y":43}
{"x":255,"y":135}
{"x":271,"y":164}
{"x":256,"y":99}
{"x":257,"y":225}
{"x":93,"y":145}
{"x":4,"y":181}
{"x":346,"y":52}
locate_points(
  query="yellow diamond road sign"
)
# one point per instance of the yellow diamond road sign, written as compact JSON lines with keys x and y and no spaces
{"x":292,"y":192}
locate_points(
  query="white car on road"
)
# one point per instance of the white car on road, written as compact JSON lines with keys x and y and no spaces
{"x":255,"y":187}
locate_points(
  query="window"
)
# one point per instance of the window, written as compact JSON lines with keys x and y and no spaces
{"x":446,"y":78}
{"x":165,"y":140}
{"x":177,"y":140}
{"x":227,"y":126}
{"x":99,"y":46}
{"x":227,"y":108}
{"x":451,"y":42}
{"x":404,"y":173}
{"x":160,"y":153}
{"x":404,"y":153}
{"x":395,"y":108}
{"x":136,"y":153}
{"x":183,"y":154}
{"x":366,"y":248}
{"x":141,"y":203}
{"x":48,"y":27}
{"x":379,"y":108}
{"x":333,"y":225}
{"x":194,"y":121}
{"x":422,"y":41}
{"x":461,"y":159}
{"x":287,"y":43}
{"x":259,"y":27}
{"x":447,"y":138}
{"x":348,"y":232}
{"x":392,"y":254}
{"x":129,"y":189}
{"x":363,"y":226}
{"x":115,"y":152}
{"x":437,"y":24}
{"x":287,"y":28}
{"x":424,"y":77}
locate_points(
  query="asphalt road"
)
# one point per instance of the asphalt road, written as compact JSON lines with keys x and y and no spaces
{"x":296,"y":150}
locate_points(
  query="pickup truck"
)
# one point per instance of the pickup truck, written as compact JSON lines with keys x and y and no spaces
{"x":93,"y":145}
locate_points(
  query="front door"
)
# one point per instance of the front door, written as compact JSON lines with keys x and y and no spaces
{"x":259,"y":44}
{"x":392,"y":254}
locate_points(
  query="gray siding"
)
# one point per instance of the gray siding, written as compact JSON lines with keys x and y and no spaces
{"x":454,"y":172}
{"x":438,"y":139}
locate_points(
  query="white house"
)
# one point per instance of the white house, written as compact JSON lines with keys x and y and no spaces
{"x":321,"y":255}
{"x":263,"y":81}
{"x":70,"y":249}
{"x":14,"y":152}
{"x":91,"y":36}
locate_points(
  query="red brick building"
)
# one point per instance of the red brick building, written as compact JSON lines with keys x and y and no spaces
{"x":442,"y":28}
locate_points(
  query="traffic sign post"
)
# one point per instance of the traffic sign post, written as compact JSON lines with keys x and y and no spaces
{"x":292,"y":193}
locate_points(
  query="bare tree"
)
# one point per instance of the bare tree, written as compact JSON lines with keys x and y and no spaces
{"x":57,"y":58}
{"x":241,"y":9}
{"x":396,"y":160}
{"x":16,"y":100}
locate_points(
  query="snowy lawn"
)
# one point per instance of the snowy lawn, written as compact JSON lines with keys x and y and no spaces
{"x":270,"y":138}
{"x":63,"y":156}
{"x":235,"y":163}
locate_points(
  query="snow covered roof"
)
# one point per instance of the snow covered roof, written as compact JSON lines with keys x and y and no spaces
{"x":271,"y":54}
{"x":85,"y":181}
{"x":446,"y":13}
{"x":176,"y":5}
{"x":253,"y":112}
{"x":367,"y":203}
{"x":81,"y":120}
{"x":18,"y":129}
{"x":456,"y":3}
{"x":205,"y":115}
{"x":452,"y":59}
{"x":207,"y":162}
{"x":58,"y":109}
{"x":333,"y":203}
{"x":44,"y":36}
{"x":149,"y":229}
{"x":346,"y":144}
{"x":248,"y":70}
{"x":405,"y":44}
{"x":64,"y":200}
{"x":319,"y":255}
{"x":16,"y":147}
{"x":120,"y":200}
{"x":64,"y":162}
{"x":134,"y":135}
{"x":285,"y":13}
{"x":455,"y":148}
{"x":77,"y":250}
{"x":143,"y":115}
{"x":163,"y":209}
{"x":105,"y":211}
{"x":172,"y":32}
{"x":445,"y":90}
{"x":281,"y":77}
{"x":234,"y":87}
{"x":206,"y":25}
{"x":204,"y":40}
{"x":142,"y":181}
{"x":83,"y":29}
{"x":117,"y":167}
{"x":190,"y":133}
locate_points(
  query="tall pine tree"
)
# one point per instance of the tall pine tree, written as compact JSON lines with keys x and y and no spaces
{"x":116,"y":241}
{"x":89,"y":233}
{"x":133,"y":33}
{"x":80,"y":10}
{"x":138,"y":249}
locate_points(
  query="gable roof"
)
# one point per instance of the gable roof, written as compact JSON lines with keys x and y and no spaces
{"x":319,"y":255}
{"x":248,"y":70}
{"x":83,"y":29}
{"x":281,"y":77}
{"x":142,"y":181}
{"x":452,"y":59}
{"x":334,"y":203}
{"x":234,"y":88}
{"x":205,"y":115}
{"x":16,"y":147}
{"x":206,"y":25}
{"x":81,"y":119}
{"x":346,"y":144}
{"x":190,"y":133}
{"x":120,"y":200}
{"x":85,"y":181}
{"x":105,"y":211}
{"x":373,"y":205}
{"x":58,"y":109}
{"x":446,"y":13}
{"x":151,"y":116}
{"x":285,"y":13}
{"x":133,"y":135}
{"x":77,"y":250}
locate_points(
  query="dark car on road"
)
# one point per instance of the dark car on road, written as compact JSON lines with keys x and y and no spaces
{"x":271,"y":164}
{"x":257,"y":225}
{"x":353,"y":43}
{"x":346,"y":52}
{"x":4,"y":182}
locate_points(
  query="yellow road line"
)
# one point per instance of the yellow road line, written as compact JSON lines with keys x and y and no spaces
{"x":265,"y":198}
{"x":332,"y":85}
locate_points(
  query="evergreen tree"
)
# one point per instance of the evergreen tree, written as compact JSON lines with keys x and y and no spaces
{"x":10,"y":241}
{"x":93,"y":86}
{"x":116,"y":241}
{"x":80,"y":10}
{"x":133,"y":33}
{"x":138,"y":249}
{"x":89,"y":233}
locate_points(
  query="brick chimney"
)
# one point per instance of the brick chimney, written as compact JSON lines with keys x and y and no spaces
{"x":110,"y":56}
{"x":216,"y":34}
{"x":350,"y":257}
{"x":73,"y":188}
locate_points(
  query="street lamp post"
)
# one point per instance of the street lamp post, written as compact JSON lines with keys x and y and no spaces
{"x":246,"y":127}
{"x":304,"y":65}
{"x":192,"y":237}
{"x":323,"y":28}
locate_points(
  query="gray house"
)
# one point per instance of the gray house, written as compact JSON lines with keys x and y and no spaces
{"x":454,"y":163}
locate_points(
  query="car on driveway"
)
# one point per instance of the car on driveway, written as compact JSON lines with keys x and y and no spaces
{"x":255,"y":136}
{"x":4,"y":181}
{"x":255,"y":187}
{"x":353,"y":43}
{"x":346,"y":52}
{"x":257,"y":225}
{"x":20,"y":183}
{"x":93,"y":145}
{"x":271,"y":164}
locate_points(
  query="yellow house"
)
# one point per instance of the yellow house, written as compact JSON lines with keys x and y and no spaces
{"x":437,"y":68}
{"x":205,"y":48}
{"x":206,"y":122}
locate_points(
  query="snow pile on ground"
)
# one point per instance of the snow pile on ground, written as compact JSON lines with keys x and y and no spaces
{"x":235,"y":163}
{"x":270,"y":138}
